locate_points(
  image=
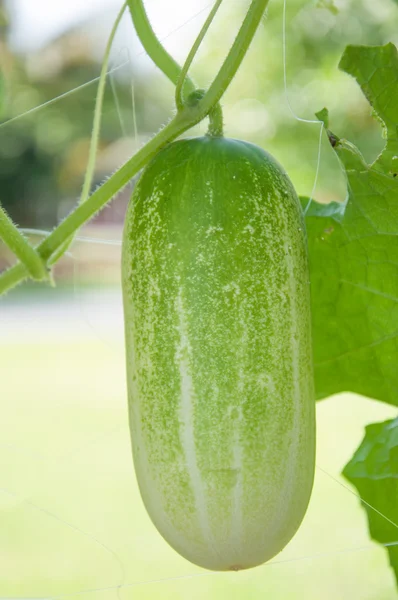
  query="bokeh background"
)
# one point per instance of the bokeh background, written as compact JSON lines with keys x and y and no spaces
{"x":71,"y":519}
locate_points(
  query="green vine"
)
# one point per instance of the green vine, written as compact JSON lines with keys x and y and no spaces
{"x":88,"y":179}
{"x":216,"y":125}
{"x":179,"y":96}
{"x":154,"y":48}
{"x":187,"y":116}
{"x":10,"y":234}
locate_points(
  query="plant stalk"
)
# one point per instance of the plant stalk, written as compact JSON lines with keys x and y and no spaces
{"x":179,"y":95}
{"x":154,"y":48}
{"x":20,"y":246}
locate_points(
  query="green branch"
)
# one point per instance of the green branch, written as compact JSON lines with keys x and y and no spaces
{"x":88,"y":179}
{"x":179,"y":96}
{"x":216,"y":124}
{"x":98,"y":110}
{"x":235,"y":56}
{"x":83,"y":212}
{"x":154,"y":48}
{"x":20,"y":246}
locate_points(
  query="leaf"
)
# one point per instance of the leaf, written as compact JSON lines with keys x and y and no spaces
{"x":354,"y":251}
{"x":373,"y":470}
{"x":323,"y":115}
{"x":376,"y":70}
{"x":354,"y":289}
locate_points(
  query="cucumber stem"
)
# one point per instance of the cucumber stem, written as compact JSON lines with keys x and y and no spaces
{"x":216,"y":123}
{"x":215,"y":115}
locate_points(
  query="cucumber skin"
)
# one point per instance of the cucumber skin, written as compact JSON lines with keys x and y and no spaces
{"x":218,"y":351}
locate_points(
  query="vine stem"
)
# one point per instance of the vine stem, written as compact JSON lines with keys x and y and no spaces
{"x":20,"y":246}
{"x":88,"y":179}
{"x":98,"y":108}
{"x":235,"y":56}
{"x":216,"y":125}
{"x":154,"y":48}
{"x":179,"y":95}
{"x":184,"y":120}
{"x":35,"y":266}
{"x":96,"y":201}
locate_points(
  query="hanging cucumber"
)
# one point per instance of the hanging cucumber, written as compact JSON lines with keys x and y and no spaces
{"x":218,"y":344}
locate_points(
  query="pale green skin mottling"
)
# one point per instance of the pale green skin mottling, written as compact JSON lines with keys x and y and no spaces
{"x":219,"y":365}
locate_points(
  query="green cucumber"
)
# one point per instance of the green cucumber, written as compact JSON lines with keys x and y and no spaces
{"x":218,"y":348}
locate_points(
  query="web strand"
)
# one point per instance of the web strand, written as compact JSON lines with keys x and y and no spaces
{"x":292,"y":112}
{"x":52,"y":515}
{"x":96,"y":79}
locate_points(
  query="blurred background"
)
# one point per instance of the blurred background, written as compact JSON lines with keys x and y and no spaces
{"x":71,"y":519}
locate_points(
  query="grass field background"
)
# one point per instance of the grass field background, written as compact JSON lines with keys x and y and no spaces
{"x":72,"y":522}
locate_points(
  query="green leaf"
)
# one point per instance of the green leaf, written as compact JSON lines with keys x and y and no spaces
{"x":354,"y":251}
{"x":323,"y":115}
{"x":376,"y":70}
{"x":373,"y":470}
{"x":354,"y":289}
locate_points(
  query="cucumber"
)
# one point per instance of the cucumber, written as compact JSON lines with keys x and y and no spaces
{"x":218,"y":349}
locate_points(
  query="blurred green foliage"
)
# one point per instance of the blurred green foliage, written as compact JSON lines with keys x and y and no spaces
{"x":44,"y":146}
{"x":43,"y":154}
